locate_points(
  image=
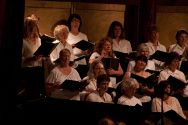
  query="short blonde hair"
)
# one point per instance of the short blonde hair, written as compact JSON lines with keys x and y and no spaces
{"x":58,"y":30}
{"x":143,"y":46}
{"x":129,"y":83}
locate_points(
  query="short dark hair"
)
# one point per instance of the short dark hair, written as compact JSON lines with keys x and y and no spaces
{"x":142,"y":58}
{"x":159,"y":92}
{"x":112,"y":27}
{"x":102,"y":78}
{"x":77,"y":16}
{"x":153,"y":28}
{"x":179,"y":32}
{"x":171,"y":57}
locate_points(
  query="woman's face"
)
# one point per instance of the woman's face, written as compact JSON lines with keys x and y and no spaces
{"x":75,"y":23}
{"x":167,"y":90}
{"x":107,"y":46}
{"x":104,"y":85}
{"x":140,"y":65}
{"x":117,"y":31}
{"x":65,"y":57}
{"x":145,"y":52}
{"x":63,"y":35}
{"x":155,"y":36}
{"x":182,"y":40}
{"x":98,"y":70}
{"x":174,"y":64}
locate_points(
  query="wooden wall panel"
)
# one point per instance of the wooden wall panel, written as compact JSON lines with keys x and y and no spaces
{"x":170,"y":19}
{"x":48,"y":12}
{"x":98,"y":17}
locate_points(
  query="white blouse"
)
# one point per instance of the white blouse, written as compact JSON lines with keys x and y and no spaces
{"x":55,"y":53}
{"x":176,"y":48}
{"x":167,"y":72}
{"x":123,"y":100}
{"x":95,"y":97}
{"x":57,"y":77}
{"x":150,"y":65}
{"x":72,"y":39}
{"x":172,"y":105}
{"x":28,"y":49}
{"x":123,"y":46}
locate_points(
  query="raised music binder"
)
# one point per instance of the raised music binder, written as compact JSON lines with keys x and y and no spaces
{"x":84,"y":45}
{"x":160,"y":56}
{"x":176,"y":83}
{"x":111,"y":63}
{"x":47,"y":46}
{"x":150,"y":81}
{"x":73,"y":85}
{"x":125,"y":56}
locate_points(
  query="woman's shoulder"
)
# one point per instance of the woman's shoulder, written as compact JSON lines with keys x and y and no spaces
{"x":83,"y":35}
{"x":125,"y":40}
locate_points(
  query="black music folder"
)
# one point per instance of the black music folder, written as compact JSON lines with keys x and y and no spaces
{"x":47,"y":46}
{"x":84,"y":45}
{"x":124,"y":56}
{"x":150,"y":81}
{"x":171,"y":115}
{"x":111,"y":63}
{"x":46,"y":38}
{"x":176,"y":83}
{"x":73,"y":85}
{"x":153,"y":71}
{"x":110,"y":90}
{"x":121,"y":55}
{"x":184,"y":67}
{"x":160,"y":56}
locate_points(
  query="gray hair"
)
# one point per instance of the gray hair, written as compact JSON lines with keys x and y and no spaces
{"x":129,"y":83}
{"x":58,"y":30}
{"x":143,"y":46}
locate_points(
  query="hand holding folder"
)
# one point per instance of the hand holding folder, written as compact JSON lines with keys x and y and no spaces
{"x":84,"y":45}
{"x":126,"y":56}
{"x":73,"y":85}
{"x":111,"y":63}
{"x":176,"y":83}
{"x":160,"y":56}
{"x":150,"y":81}
{"x":47,"y":46}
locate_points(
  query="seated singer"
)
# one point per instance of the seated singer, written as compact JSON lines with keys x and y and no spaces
{"x":163,"y":91}
{"x":63,"y":71}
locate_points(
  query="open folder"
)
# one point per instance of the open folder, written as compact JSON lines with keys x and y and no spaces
{"x":47,"y":46}
{"x":111,"y":63}
{"x":84,"y":45}
{"x":171,"y":115}
{"x":160,"y":56}
{"x":176,"y":83}
{"x":126,"y":56}
{"x":150,"y":81}
{"x":73,"y":85}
